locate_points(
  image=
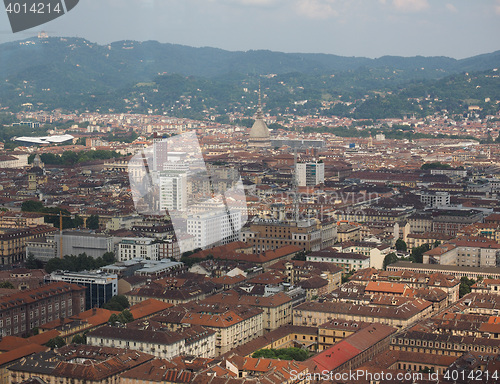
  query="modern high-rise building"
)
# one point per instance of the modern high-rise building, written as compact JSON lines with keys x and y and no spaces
{"x":173,"y":190}
{"x":310,"y":174}
{"x":214,"y":228}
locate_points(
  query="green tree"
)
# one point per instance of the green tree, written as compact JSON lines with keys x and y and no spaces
{"x":465,"y":285}
{"x":108,"y":258}
{"x":56,"y":342}
{"x":32,"y":263}
{"x":301,"y":256}
{"x":126,"y":316}
{"x":265,"y":353}
{"x":401,"y":245}
{"x":32,"y":206}
{"x":435,"y":165}
{"x":79,"y":339}
{"x":6,"y":284}
{"x":346,"y":276}
{"x":418,"y":252}
{"x":390,"y":258}
{"x":93,"y":222}
{"x":116,"y":303}
{"x":297,"y":354}
{"x":113,"y":319}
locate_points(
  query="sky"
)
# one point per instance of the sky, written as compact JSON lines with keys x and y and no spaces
{"x":369,"y":28}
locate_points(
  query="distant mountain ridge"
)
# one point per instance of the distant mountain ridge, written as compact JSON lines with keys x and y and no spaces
{"x":75,"y":74}
{"x":144,"y":60}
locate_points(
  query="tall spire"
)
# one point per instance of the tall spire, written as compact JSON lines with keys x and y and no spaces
{"x":259,"y":134}
{"x":259,"y":114}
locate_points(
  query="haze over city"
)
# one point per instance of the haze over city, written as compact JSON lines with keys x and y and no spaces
{"x":375,"y":28}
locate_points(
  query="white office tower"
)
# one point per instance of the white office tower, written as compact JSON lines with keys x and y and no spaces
{"x":310,"y":174}
{"x":214,"y":228}
{"x":173,"y":177}
{"x":173,"y":190}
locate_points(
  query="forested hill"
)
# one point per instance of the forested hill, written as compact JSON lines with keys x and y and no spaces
{"x":75,"y":74}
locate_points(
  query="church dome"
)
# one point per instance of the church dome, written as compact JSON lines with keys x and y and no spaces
{"x":259,"y":130}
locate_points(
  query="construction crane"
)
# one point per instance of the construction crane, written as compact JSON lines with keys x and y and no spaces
{"x":60,"y":214}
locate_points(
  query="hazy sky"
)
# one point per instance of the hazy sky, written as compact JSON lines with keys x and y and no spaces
{"x":372,"y":28}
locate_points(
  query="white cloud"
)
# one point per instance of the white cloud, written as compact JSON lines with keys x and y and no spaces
{"x":450,"y":7}
{"x":497,"y":7}
{"x":410,"y":5}
{"x":316,"y":9}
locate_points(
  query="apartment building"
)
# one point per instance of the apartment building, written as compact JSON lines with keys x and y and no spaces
{"x":277,"y":308}
{"x":435,"y":199}
{"x":467,"y":252}
{"x":415,"y":279}
{"x":414,"y":240}
{"x":137,"y":247}
{"x":214,"y":228}
{"x":153,"y":339}
{"x":375,"y":251}
{"x":348,"y":232}
{"x":69,"y":364}
{"x":401,"y":316}
{"x":310,"y":174}
{"x":353,"y":351}
{"x":234,"y":325}
{"x":347,"y":261}
{"x":271,"y":234}
{"x":13,"y":242}
{"x":297,"y":271}
{"x":20,"y":312}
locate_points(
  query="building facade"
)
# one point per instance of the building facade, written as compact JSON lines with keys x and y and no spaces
{"x":22,"y":311}
{"x":100,"y":287}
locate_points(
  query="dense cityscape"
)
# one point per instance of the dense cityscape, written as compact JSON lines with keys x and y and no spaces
{"x":174,"y":215}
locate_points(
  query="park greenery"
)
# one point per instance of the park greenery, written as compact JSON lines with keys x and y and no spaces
{"x":297,"y":354}
{"x":56,"y":342}
{"x":465,"y":285}
{"x":123,"y":317}
{"x":435,"y":165}
{"x":68,"y":158}
{"x":6,"y":284}
{"x":79,"y":339}
{"x":117,"y":303}
{"x":53,"y":214}
{"x":82,"y":262}
{"x":389,"y":259}
{"x":401,"y":245}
